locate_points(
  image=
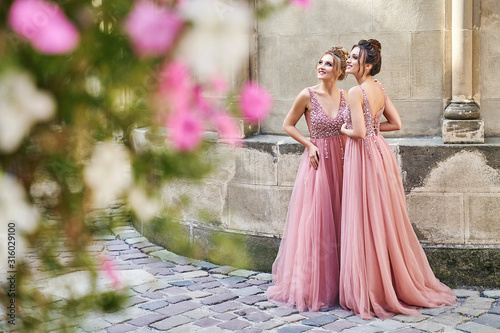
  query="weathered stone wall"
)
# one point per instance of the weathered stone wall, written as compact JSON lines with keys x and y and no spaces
{"x":453,"y":198}
{"x":416,"y":52}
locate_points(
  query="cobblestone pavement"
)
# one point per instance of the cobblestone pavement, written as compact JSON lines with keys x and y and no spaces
{"x":178,"y":294}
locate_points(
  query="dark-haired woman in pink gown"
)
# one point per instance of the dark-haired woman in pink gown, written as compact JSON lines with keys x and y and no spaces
{"x":306,"y":269}
{"x":384,"y":269}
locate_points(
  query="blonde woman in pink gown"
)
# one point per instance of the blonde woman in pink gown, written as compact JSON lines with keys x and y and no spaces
{"x":384,"y":269}
{"x":306,"y":269}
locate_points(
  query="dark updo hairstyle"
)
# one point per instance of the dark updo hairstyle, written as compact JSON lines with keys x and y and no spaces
{"x":369,"y":53}
{"x":339,"y":55}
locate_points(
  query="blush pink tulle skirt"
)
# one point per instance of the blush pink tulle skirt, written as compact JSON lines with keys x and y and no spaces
{"x":306,"y":269}
{"x":384,"y":269}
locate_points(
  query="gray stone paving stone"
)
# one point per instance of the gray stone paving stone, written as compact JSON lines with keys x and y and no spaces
{"x":225,"y":316}
{"x":293,"y":329}
{"x":269,"y":325}
{"x":495,"y":310}
{"x":492,"y":293}
{"x":184,"y":268}
{"x":250,"y":330}
{"x":243,"y":273}
{"x":204,"y":265}
{"x":204,"y":279}
{"x":205,"y":286}
{"x":257,"y":316}
{"x":160,"y":264}
{"x":255,"y":282}
{"x":198,"y":313}
{"x":142,"y":245}
{"x":182,"y":283}
{"x":134,"y":300}
{"x":410,"y":319}
{"x":174,"y":291}
{"x":435,"y":311}
{"x":222,"y":270}
{"x":253,"y":299}
{"x":407,"y":330}
{"x":154,"y":305}
{"x":389,"y":325}
{"x":247,"y":291}
{"x":136,"y":240}
{"x":293,"y":318}
{"x":339,"y":325}
{"x":265,"y":286}
{"x":472,"y":327}
{"x":153,"y":295}
{"x":234,"y":324}
{"x":206,"y":322}
{"x":171,"y":322}
{"x":478,"y":302}
{"x":146,"y":319}
{"x":263,"y":276}
{"x":175,"y":309}
{"x":265,"y":305}
{"x":341,"y":313}
{"x":319,"y":321}
{"x":160,"y":271}
{"x":120,"y":247}
{"x":146,"y":260}
{"x":149,"y":250}
{"x":283,"y":311}
{"x":198,"y":294}
{"x":429,"y":326}
{"x":232,"y":280}
{"x":194,"y":274}
{"x":466,"y":293}
{"x":472,"y":312}
{"x":488,"y":319}
{"x":362,"y":329}
{"x":450,"y":319}
{"x":216,"y":299}
{"x":359,"y":320}
{"x":128,"y":235}
{"x":177,"y":298}
{"x":121,"y":328}
{"x":226,"y":306}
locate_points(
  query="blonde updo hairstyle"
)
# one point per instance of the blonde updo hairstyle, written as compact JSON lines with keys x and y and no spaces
{"x":340,"y":56}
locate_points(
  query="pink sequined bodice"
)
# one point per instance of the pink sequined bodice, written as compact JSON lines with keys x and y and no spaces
{"x":322,"y":125}
{"x":372,"y":122}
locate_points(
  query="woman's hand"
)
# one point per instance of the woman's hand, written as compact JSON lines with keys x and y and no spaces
{"x":343,"y":128}
{"x":314,"y":156}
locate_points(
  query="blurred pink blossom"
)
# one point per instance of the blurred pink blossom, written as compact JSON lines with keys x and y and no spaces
{"x":228,"y":129}
{"x":109,"y":268}
{"x":176,"y":85}
{"x":185,"y":130}
{"x":152,"y":28}
{"x":44,"y":25}
{"x":302,"y":3}
{"x":219,"y":84}
{"x":255,"y":102}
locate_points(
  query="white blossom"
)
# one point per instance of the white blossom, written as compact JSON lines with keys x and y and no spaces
{"x":145,"y":207}
{"x":16,"y":212}
{"x":21,"y":105}
{"x":108,"y":173}
{"x":218,"y":40}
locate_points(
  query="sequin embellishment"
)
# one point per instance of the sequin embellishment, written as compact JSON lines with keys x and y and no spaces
{"x":323,"y":126}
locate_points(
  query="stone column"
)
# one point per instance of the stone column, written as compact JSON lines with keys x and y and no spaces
{"x":462,"y":121}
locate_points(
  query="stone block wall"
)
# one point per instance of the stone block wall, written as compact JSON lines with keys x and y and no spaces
{"x":416,"y":53}
{"x":453,"y":200}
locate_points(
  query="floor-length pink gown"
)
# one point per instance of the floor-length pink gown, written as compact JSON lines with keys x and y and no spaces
{"x":306,"y":269}
{"x":384,"y":269}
